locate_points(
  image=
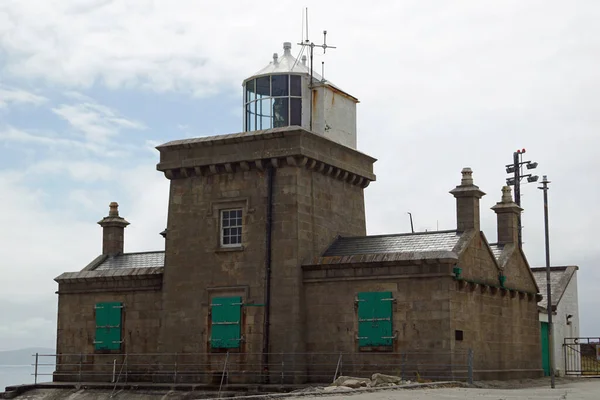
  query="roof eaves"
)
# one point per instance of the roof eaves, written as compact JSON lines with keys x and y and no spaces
{"x":108,"y":275}
{"x":441,"y":256}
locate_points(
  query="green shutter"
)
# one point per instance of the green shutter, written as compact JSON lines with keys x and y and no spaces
{"x":374,"y":319}
{"x":226,"y":329}
{"x":108,"y":326}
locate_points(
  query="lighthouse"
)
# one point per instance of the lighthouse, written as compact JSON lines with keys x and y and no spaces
{"x":285,"y":93}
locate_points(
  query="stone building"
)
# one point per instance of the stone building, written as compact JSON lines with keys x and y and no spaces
{"x":267,"y":260}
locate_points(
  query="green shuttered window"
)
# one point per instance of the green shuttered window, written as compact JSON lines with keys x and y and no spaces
{"x":375,"y":319}
{"x":108,"y":326}
{"x":226,"y":315}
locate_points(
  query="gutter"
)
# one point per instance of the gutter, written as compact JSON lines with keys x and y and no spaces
{"x":268,"y":254}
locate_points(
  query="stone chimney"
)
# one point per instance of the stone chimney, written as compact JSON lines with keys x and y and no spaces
{"x":113,"y":228}
{"x":507,"y":212}
{"x":467,"y":202}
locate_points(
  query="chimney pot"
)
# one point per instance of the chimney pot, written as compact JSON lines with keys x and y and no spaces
{"x":113,"y":208}
{"x":467,"y":176}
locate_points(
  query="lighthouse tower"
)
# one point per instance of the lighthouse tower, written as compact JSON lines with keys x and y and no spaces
{"x":248,"y":210}
{"x":283,"y":94}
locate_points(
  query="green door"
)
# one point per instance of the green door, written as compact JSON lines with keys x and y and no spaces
{"x":545,"y":349}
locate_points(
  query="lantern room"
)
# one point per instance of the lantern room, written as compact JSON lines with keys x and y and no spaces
{"x":284,"y":94}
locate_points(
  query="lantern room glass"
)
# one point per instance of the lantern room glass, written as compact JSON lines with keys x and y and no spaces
{"x":273,"y":101}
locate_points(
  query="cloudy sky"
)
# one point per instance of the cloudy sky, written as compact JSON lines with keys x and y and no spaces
{"x":88,"y":88}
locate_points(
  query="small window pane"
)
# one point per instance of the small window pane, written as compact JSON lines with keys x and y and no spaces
{"x":280,"y":85}
{"x":280,"y":112}
{"x":263,"y":87}
{"x":251,"y":116}
{"x":295,"y":85}
{"x":250,"y":92}
{"x":296,"y":111}
{"x":264,"y":114}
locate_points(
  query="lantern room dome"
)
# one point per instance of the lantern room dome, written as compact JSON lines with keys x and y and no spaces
{"x":287,"y":63}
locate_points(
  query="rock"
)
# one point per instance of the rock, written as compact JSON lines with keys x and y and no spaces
{"x":355,"y":383}
{"x":351,"y":381}
{"x":385,"y":380}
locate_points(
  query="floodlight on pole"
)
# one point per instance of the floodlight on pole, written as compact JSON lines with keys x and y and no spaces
{"x":516,"y":169}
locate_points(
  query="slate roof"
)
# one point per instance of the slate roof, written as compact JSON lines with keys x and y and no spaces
{"x":150,"y":259}
{"x":559,"y":280}
{"x":132,"y":265}
{"x":422,"y":242}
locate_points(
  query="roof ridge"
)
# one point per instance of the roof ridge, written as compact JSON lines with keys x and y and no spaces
{"x":398,"y":234}
{"x":555,"y":268}
{"x":141,"y":252}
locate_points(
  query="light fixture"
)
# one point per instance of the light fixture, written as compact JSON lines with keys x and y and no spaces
{"x":510,"y":169}
{"x":532,"y":178}
{"x":532,"y":165}
{"x":510,"y":181}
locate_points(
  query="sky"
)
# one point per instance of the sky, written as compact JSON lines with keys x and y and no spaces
{"x":88,"y":88}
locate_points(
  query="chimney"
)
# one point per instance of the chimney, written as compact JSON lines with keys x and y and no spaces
{"x":507,"y":212}
{"x":113,"y":228}
{"x":467,"y":202}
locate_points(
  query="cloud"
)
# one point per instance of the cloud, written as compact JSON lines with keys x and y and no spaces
{"x":82,"y":171}
{"x":96,"y":122}
{"x":51,"y":140}
{"x":10,"y":96}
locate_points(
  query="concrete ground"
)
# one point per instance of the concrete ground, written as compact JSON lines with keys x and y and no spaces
{"x":566,"y":389}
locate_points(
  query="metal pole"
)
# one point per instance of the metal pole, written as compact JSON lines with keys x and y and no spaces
{"x":337,"y":368}
{"x":517,"y":177}
{"x":36,"y":367}
{"x":412,"y":229}
{"x":223,"y":374}
{"x":544,"y":187}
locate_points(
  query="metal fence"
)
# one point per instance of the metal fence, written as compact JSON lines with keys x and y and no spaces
{"x":232,"y":368}
{"x":582,"y":356}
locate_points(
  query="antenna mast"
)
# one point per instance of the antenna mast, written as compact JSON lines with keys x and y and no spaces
{"x":307,"y":43}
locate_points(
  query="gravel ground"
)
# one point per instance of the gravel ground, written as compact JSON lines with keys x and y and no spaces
{"x":566,"y":389}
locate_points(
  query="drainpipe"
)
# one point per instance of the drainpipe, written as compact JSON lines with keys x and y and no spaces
{"x":267,"y":319}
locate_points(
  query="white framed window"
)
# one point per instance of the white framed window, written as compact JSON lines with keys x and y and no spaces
{"x":231,"y":227}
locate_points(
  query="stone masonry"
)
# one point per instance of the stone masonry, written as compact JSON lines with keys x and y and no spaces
{"x":451,"y":290}
{"x":317,"y":195}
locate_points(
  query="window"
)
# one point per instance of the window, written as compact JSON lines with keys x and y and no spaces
{"x":231,"y":228}
{"x":108,"y":326}
{"x":375,"y":319}
{"x":273,"y":101}
{"x":226,"y":328}
{"x":458,"y":335}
